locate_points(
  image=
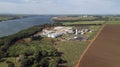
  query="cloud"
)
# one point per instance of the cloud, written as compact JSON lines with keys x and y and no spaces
{"x":60,"y":6}
{"x":34,"y":1}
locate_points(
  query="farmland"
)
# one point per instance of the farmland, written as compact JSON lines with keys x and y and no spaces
{"x":113,"y":22}
{"x":104,"y":52}
{"x":83,"y":22}
{"x":71,"y":51}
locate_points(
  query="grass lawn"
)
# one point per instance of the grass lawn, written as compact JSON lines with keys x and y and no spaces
{"x":71,"y":51}
{"x":95,"y":29}
{"x":4,"y":64}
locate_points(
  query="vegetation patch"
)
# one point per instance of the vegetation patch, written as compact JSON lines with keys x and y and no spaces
{"x":72,"y":51}
{"x":35,"y":53}
{"x":95,"y":30}
{"x":113,"y":22}
{"x":83,"y":22}
{"x":4,"y":64}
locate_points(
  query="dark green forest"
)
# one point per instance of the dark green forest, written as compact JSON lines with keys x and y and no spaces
{"x":39,"y":52}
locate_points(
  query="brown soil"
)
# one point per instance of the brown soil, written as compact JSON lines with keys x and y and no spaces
{"x":105,"y":50}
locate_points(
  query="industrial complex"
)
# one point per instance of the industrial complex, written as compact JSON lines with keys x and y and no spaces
{"x":66,"y":32}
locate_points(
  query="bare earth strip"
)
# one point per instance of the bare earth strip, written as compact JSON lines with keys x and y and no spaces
{"x":105,"y":50}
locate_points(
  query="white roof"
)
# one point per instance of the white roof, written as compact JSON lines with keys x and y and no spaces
{"x":62,"y":27}
{"x":54,"y":35}
{"x":58,"y":27}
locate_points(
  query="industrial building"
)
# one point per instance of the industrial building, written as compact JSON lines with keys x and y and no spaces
{"x":68,"y":33}
{"x":57,"y":31}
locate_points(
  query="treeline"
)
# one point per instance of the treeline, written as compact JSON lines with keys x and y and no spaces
{"x":7,"y":41}
{"x":108,"y":18}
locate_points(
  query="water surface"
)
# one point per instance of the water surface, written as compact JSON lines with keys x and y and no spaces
{"x":13,"y":26}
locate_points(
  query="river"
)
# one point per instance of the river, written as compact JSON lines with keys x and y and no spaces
{"x":13,"y":26}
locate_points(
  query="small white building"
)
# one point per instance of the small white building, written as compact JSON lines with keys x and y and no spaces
{"x":54,"y":35}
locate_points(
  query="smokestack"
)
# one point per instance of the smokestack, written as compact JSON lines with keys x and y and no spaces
{"x":76,"y":32}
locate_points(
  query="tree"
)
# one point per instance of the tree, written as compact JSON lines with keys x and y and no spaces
{"x":44,"y":62}
{"x":44,"y":53}
{"x":24,"y":63}
{"x":11,"y":65}
{"x":38,"y":55}
{"x":1,"y":42}
{"x":35,"y":65}
{"x":36,"y":37}
{"x":54,"y":62}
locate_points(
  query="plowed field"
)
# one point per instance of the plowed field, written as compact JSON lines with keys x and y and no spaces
{"x":105,"y":50}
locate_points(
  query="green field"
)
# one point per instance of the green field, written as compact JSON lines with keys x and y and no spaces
{"x":72,"y":51}
{"x":4,"y":64}
{"x":83,"y":22}
{"x":91,"y":22}
{"x":95,"y":29}
{"x":113,"y":22}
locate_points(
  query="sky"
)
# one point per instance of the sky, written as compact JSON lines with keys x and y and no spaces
{"x":60,"y":6}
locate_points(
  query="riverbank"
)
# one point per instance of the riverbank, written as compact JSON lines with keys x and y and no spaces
{"x":11,"y":17}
